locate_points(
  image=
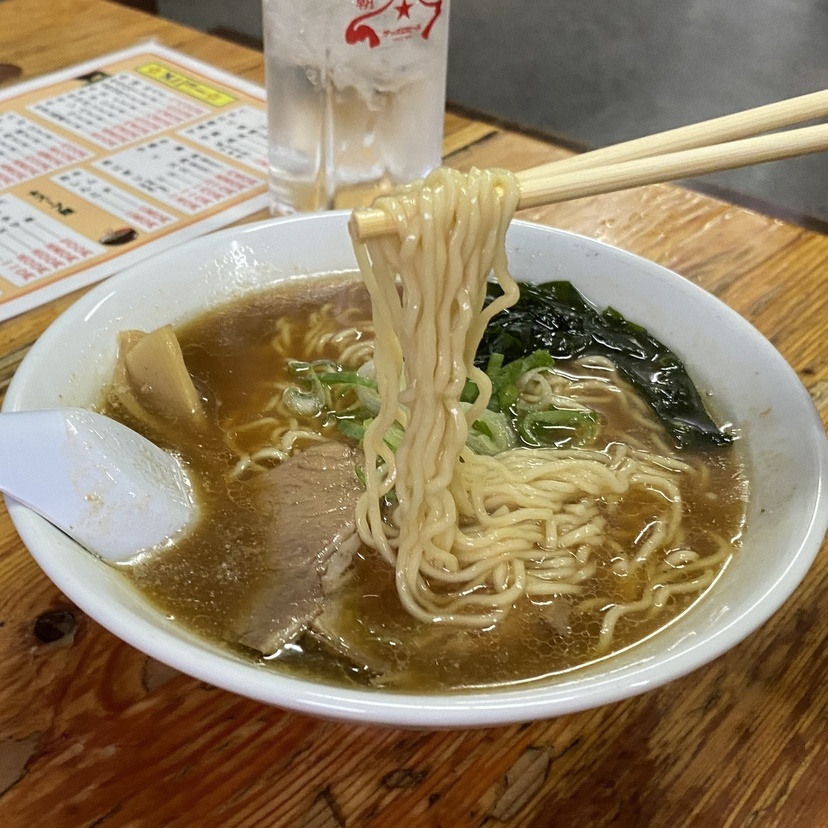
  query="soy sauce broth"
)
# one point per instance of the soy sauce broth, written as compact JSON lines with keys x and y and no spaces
{"x":202,"y":581}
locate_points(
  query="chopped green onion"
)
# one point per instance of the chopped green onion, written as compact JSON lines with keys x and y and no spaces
{"x":352,"y":429}
{"x":505,"y":377}
{"x":470,"y":392}
{"x":302,"y":403}
{"x":394,"y":436}
{"x":355,"y":430}
{"x":346,"y":378}
{"x":556,"y":427}
{"x":492,"y":434}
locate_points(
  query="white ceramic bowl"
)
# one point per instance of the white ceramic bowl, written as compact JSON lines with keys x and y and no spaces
{"x":785,"y":444}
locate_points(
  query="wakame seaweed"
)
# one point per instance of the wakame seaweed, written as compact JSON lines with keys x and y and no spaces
{"x":556,"y":318}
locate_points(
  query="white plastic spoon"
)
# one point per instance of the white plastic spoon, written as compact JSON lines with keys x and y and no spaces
{"x":113,"y":491}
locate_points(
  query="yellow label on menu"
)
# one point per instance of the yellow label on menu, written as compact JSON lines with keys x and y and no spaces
{"x":188,"y":86}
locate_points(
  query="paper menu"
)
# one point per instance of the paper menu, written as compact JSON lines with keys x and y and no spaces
{"x":108,"y":162}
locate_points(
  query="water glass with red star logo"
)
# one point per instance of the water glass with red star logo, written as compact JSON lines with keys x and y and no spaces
{"x":355,"y":98}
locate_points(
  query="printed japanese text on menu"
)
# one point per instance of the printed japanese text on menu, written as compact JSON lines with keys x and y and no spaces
{"x":109,"y":162}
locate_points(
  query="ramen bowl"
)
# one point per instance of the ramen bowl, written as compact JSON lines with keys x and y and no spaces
{"x":782,"y":441}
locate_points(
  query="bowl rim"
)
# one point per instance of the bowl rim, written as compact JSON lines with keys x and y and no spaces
{"x":476,"y":708}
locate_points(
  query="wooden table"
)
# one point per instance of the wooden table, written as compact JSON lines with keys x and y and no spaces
{"x":92,"y":732}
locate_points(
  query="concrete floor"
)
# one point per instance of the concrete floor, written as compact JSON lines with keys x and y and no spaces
{"x":596,"y":72}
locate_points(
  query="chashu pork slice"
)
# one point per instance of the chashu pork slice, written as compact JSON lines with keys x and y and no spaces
{"x":308,"y":502}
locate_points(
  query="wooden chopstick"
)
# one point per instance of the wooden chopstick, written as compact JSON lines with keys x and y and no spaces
{"x":688,"y":151}
{"x":685,"y":164}
{"x":705,"y":133}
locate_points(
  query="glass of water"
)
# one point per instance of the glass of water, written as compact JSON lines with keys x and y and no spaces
{"x":355,"y":97}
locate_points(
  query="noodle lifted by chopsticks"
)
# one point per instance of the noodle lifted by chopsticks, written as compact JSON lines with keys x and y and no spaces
{"x":468,"y":535}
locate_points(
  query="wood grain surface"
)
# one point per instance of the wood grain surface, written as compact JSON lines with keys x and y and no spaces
{"x":94,"y":733}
